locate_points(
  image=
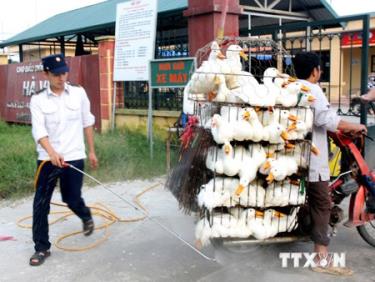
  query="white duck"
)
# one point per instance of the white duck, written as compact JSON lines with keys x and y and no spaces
{"x":247,"y":87}
{"x":188,"y":102}
{"x":242,"y":129}
{"x":213,"y":194}
{"x":298,"y":192}
{"x":261,"y":226}
{"x":248,"y":168}
{"x":283,"y":194}
{"x":304,"y":114}
{"x":222,"y":92}
{"x":221,"y":130}
{"x":275,"y":133}
{"x":262,"y":97}
{"x":214,"y":160}
{"x":231,"y":163}
{"x":220,"y":225}
{"x":282,"y":116}
{"x":297,"y":130}
{"x":244,"y":218}
{"x":265,"y":168}
{"x":286,"y":222}
{"x":289,"y":94}
{"x":252,"y":196}
{"x":257,"y":153}
{"x":269,"y":77}
{"x":300,"y":152}
{"x":277,"y":78}
{"x":306,"y":99}
{"x":282,"y":167}
{"x":256,"y":125}
{"x":202,"y":80}
{"x":233,"y":62}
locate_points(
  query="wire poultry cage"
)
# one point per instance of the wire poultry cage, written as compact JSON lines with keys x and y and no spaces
{"x":249,"y":183}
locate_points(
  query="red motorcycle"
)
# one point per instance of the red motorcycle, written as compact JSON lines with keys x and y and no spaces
{"x":358,"y":182}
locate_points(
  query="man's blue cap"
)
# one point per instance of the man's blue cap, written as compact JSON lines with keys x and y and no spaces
{"x":55,"y":64}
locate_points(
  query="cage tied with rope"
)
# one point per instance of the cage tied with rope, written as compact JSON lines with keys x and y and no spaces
{"x":245,"y":152}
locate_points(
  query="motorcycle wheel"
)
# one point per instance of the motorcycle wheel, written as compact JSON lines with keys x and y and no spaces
{"x":367,"y":232}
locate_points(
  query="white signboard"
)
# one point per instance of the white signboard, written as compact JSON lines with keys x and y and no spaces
{"x":135,"y":39}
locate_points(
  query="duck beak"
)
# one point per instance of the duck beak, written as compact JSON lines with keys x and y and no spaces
{"x":246,"y":115}
{"x":289,"y":146}
{"x":305,"y":88}
{"x":292,"y":117}
{"x":211,"y":95}
{"x":284,"y":135}
{"x":269,"y":155}
{"x":311,"y":98}
{"x":217,"y":80}
{"x":259,"y":214}
{"x":291,"y":127}
{"x":266,"y":165}
{"x":220,"y":56}
{"x":239,"y":189}
{"x":292,"y":79}
{"x":278,"y":214}
{"x":315,"y":150}
{"x":226,"y":149}
{"x":270,"y":178}
{"x":244,"y":56}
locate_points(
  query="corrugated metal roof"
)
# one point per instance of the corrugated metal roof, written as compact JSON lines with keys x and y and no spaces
{"x":85,"y":19}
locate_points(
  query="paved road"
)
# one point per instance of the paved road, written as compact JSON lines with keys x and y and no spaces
{"x":142,"y":251}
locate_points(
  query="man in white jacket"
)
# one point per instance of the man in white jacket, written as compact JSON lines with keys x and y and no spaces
{"x":60,"y":116}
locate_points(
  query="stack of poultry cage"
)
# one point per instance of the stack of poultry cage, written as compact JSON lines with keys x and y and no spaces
{"x":249,"y":181}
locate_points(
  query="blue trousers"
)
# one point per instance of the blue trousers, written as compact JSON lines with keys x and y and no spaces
{"x":70,"y":185}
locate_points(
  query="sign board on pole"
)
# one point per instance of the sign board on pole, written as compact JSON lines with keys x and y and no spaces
{"x":135,"y":39}
{"x":171,"y":73}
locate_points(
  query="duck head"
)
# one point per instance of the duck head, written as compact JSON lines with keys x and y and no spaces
{"x":228,"y":149}
{"x":234,"y":51}
{"x":215,"y":121}
{"x":215,"y":52}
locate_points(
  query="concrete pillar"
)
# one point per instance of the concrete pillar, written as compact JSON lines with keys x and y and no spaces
{"x":106,"y":45}
{"x":204,"y":19}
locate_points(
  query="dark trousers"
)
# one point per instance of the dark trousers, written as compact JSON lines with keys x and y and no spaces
{"x":320,"y":211}
{"x":70,"y":186}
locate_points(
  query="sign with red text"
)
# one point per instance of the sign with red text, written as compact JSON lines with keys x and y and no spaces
{"x":355,"y":39}
{"x":171,"y":72}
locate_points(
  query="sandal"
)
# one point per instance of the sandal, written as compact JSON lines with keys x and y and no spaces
{"x":88,"y":227}
{"x":339,"y":271}
{"x":39,"y":257}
